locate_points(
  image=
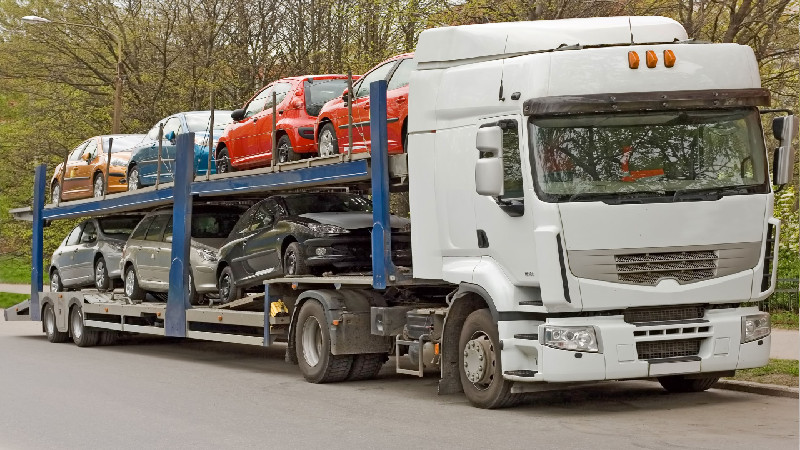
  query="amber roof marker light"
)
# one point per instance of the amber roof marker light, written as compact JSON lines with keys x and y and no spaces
{"x":652,"y":59}
{"x":633,"y":60}
{"x":669,"y":58}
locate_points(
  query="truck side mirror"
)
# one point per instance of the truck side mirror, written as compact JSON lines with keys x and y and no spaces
{"x":489,"y":168}
{"x":785,"y":130}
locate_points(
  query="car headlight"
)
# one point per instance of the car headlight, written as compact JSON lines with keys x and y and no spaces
{"x":323,"y":228}
{"x":119,"y":162}
{"x":755,"y":326}
{"x":581,"y":339}
{"x":117,"y":246}
{"x":207,"y":255}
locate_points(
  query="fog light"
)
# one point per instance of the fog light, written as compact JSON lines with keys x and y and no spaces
{"x":755,"y":326}
{"x":321,"y":251}
{"x":581,"y":339}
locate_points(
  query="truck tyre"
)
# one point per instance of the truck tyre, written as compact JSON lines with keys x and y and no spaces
{"x":50,"y":329}
{"x":227,"y":287}
{"x":679,"y":383}
{"x":224,"y":162}
{"x":327,"y":142}
{"x":366,"y":366}
{"x":479,"y":363}
{"x":81,"y":335}
{"x":294,"y":261}
{"x":285,"y":151}
{"x":132,"y":289}
{"x":313,"y":347}
{"x":101,"y":280}
{"x":108,"y":337}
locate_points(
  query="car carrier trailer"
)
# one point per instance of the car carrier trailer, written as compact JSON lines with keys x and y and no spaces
{"x":518,"y":283}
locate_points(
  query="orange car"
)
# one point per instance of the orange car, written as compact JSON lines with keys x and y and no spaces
{"x":86,"y":168}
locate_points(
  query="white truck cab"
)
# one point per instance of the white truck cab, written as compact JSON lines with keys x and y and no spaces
{"x":602,"y":186}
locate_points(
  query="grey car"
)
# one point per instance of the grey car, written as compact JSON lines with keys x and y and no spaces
{"x":89,"y":256}
{"x":146,"y":257}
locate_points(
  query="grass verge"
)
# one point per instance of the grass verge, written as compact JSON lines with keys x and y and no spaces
{"x":14,"y":269}
{"x":779,"y":371}
{"x":8,"y":300}
{"x":784,"y":319}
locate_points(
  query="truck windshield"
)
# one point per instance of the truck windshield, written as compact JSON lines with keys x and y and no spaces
{"x":665,"y":155}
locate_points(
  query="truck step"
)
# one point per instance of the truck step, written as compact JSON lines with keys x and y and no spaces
{"x":521,"y":373}
{"x":530,"y":337}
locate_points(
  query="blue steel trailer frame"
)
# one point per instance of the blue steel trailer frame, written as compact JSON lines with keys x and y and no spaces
{"x":181,"y":193}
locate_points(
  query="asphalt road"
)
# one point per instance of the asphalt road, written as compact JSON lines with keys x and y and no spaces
{"x":160,"y":393}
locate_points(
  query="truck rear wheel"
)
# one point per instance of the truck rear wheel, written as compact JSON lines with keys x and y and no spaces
{"x":313,"y":347}
{"x":679,"y":383}
{"x":366,"y":366}
{"x":479,"y":363}
{"x":50,"y":328}
{"x":81,"y":336}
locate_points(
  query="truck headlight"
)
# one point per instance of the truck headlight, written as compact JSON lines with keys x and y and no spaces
{"x":207,"y":255}
{"x":581,"y":339}
{"x":755,"y":326}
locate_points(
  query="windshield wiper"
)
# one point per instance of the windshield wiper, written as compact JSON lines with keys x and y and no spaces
{"x":616,"y":198}
{"x":714,"y":193}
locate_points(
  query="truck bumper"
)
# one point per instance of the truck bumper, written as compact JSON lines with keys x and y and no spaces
{"x":711,"y":345}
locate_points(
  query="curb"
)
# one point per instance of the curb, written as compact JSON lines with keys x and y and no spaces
{"x":772,"y":390}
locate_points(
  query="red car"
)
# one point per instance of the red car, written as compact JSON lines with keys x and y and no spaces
{"x":247,"y":142}
{"x":331,"y":129}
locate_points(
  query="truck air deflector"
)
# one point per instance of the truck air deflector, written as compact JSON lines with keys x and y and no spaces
{"x":645,"y":101}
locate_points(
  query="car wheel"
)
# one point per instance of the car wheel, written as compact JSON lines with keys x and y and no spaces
{"x":50,"y":329}
{"x":679,"y":383}
{"x":55,"y":193}
{"x":227,"y":287}
{"x":313,"y":347}
{"x":98,"y":186}
{"x":101,"y":280}
{"x":479,"y":363}
{"x":134,"y":181}
{"x":81,"y":336}
{"x":55,"y":281}
{"x":285,"y":151}
{"x":224,"y":162}
{"x":328,"y":144}
{"x":294,"y":261}
{"x":132,"y":289}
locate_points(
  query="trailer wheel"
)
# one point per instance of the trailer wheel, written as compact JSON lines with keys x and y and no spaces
{"x":313,"y":347}
{"x":101,"y":280}
{"x":285,"y":151}
{"x":679,"y":383}
{"x":227,"y":287}
{"x":294,"y":261}
{"x":81,"y":336}
{"x":366,"y":366}
{"x":479,"y":363}
{"x":327,"y":143}
{"x":55,"y":281}
{"x":50,"y":329}
{"x":132,"y":289}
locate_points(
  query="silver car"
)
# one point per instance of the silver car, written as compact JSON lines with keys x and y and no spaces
{"x":146,"y":257}
{"x":90,"y":254}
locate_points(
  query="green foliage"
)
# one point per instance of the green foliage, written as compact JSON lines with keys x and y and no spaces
{"x":8,"y":300}
{"x":775,"y":366}
{"x":784,"y":319}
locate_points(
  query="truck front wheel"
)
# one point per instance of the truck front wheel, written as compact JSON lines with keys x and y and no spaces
{"x":479,"y":363}
{"x":679,"y":383}
{"x":313,"y":347}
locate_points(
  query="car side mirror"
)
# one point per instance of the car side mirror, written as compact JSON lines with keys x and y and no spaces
{"x":170,"y":136}
{"x":489,"y":168}
{"x":346,"y":96}
{"x":785,"y":130}
{"x":86,"y":157}
{"x":238,"y":114}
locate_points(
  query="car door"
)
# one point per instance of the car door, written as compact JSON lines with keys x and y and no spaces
{"x":163,"y":256}
{"x":83,"y":172}
{"x":65,"y":257}
{"x":260,"y":253}
{"x":397,"y":103}
{"x":134,"y":244}
{"x":361,"y":131}
{"x":146,"y":259}
{"x":171,"y":125}
{"x":242,"y":134}
{"x":83,"y":255}
{"x":70,"y":183}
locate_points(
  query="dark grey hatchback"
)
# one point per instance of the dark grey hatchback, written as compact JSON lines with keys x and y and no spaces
{"x":299,"y":234}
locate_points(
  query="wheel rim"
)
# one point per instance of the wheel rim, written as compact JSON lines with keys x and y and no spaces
{"x":326,"y":143}
{"x":100,"y":273}
{"x":98,"y":187}
{"x":222,"y":167}
{"x":77,"y":325}
{"x":130,"y":278}
{"x":312,"y":341}
{"x":133,"y":180}
{"x":291,"y":263}
{"x":283,"y":152}
{"x":55,"y":196}
{"x":479,"y":360}
{"x":50,"y":320}
{"x":190,"y":284}
{"x":54,"y":282}
{"x":224,"y":287}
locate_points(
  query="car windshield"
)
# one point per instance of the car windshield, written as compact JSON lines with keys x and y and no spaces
{"x":326,"y":202}
{"x":666,"y":154}
{"x":198,"y":122}
{"x":120,"y":227}
{"x":213,"y":225}
{"x":320,"y":92}
{"x":122,"y":142}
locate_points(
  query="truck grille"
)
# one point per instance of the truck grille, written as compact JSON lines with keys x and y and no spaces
{"x":668,"y":349}
{"x":649,"y":268}
{"x":684,"y":312}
